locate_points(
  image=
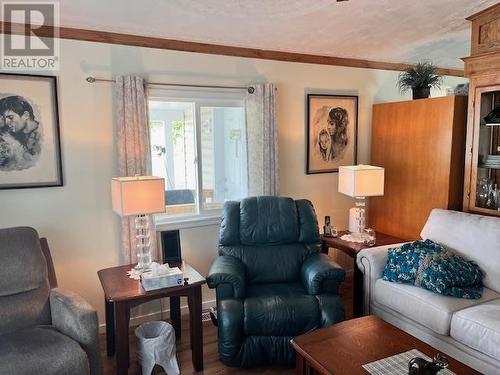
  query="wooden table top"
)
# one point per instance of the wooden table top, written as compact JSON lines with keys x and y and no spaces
{"x":117,"y":285}
{"x":345,"y":347}
{"x":355,"y":247}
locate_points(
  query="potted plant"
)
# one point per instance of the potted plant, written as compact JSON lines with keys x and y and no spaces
{"x":419,"y":78}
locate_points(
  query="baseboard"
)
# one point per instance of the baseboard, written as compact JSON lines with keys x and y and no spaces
{"x":137,"y":320}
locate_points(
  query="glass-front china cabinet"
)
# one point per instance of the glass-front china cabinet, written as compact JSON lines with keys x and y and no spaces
{"x":485,"y":189}
{"x":482,"y":164}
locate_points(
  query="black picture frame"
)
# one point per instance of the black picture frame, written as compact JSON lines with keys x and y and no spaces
{"x":327,"y":159}
{"x":49,"y":128}
{"x":171,"y":247}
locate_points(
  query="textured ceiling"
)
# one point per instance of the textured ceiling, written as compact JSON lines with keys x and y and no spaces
{"x":382,"y":30}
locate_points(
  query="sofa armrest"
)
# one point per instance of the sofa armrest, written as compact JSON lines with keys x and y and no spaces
{"x":320,"y":274}
{"x":74,"y":317}
{"x":371,"y":262}
{"x":227,"y":274}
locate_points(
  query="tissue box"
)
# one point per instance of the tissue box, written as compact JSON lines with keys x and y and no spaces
{"x":173,"y":277}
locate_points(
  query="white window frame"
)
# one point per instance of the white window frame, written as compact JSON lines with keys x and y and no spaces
{"x":200,"y":98}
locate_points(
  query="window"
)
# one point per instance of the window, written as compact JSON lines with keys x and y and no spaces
{"x":198,"y":145}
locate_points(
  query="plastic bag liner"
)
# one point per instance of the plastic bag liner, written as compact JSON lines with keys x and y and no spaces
{"x":156,"y":345}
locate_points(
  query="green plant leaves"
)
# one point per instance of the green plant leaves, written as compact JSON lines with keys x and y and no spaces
{"x":423,"y":74}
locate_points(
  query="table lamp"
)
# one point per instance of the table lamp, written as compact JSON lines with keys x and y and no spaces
{"x":360,"y":181}
{"x":139,"y":196}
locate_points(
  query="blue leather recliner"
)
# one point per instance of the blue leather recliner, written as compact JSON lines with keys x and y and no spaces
{"x":272,"y":283}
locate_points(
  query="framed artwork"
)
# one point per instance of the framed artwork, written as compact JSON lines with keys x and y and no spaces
{"x":30,"y":149}
{"x":332,"y":130}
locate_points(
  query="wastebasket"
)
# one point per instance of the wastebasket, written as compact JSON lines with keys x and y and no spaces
{"x":156,"y":345}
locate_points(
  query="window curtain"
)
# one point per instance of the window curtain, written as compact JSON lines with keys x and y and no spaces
{"x":134,"y":156}
{"x":262,"y":141}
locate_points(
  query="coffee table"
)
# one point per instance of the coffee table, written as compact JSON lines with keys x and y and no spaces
{"x":345,"y":347}
{"x":121,"y":293}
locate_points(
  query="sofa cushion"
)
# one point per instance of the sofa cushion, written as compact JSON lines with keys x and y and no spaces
{"x":479,"y":328}
{"x":271,"y":264}
{"x":475,"y":237}
{"x":431,"y":310}
{"x":23,"y":310}
{"x":229,"y":232}
{"x":24,"y":286}
{"x":22,"y":266}
{"x":309,"y":231}
{"x":280,"y":310}
{"x":41,"y":351}
{"x":268,"y":220}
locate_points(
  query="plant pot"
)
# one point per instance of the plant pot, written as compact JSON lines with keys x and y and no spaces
{"x":421,"y":92}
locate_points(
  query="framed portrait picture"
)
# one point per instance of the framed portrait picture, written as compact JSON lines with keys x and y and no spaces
{"x":332,"y":127}
{"x":30,"y":150}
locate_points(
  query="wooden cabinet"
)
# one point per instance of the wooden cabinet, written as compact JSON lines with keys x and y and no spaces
{"x":482,"y":163}
{"x":485,"y":31}
{"x":421,"y":145}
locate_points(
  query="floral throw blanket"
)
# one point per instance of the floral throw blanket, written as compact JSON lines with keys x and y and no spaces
{"x":430,"y":266}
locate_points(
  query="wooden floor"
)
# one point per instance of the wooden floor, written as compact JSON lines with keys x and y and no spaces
{"x":212,"y":364}
{"x":210,"y":355}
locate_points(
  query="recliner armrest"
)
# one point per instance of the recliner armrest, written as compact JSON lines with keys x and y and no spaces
{"x":230,"y":328}
{"x":227,"y":274}
{"x":320,"y":274}
{"x":371,"y":262}
{"x":74,"y":317}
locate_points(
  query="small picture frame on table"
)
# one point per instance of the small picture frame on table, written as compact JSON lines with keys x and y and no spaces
{"x":328,"y":230}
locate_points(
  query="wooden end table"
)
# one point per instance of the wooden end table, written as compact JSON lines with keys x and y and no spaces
{"x":345,"y":347}
{"x":121,"y":293}
{"x":352,"y":249}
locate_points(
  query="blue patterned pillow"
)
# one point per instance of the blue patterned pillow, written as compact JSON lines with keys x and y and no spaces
{"x":402,"y":262}
{"x":450,"y":275}
{"x":430,"y":266}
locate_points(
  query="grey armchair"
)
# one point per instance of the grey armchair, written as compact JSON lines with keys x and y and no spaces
{"x":43,"y":329}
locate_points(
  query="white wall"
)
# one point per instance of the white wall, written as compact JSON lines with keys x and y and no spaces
{"x":82,"y":230}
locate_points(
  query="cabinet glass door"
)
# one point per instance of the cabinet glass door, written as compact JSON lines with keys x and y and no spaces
{"x":486,"y":155}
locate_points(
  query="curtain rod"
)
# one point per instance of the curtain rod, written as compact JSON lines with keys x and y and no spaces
{"x":250,"y":89}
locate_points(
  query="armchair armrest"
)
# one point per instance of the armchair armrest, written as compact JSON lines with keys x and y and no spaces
{"x":74,"y":317}
{"x":230,"y":318}
{"x":371,"y":262}
{"x":320,"y":274}
{"x":227,"y":274}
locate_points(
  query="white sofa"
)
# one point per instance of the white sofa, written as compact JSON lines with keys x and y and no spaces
{"x":468,"y":330}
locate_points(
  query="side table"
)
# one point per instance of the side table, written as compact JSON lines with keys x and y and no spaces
{"x":121,"y":293}
{"x":352,"y":249}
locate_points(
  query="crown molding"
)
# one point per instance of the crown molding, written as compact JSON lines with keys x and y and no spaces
{"x":213,"y":49}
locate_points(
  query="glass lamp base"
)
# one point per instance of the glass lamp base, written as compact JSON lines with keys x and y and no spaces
{"x":142,"y":267}
{"x":143,"y":244}
{"x":356,"y":220}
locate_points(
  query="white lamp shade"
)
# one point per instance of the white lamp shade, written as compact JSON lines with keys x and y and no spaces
{"x":361,"y":181}
{"x":138,"y":195}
